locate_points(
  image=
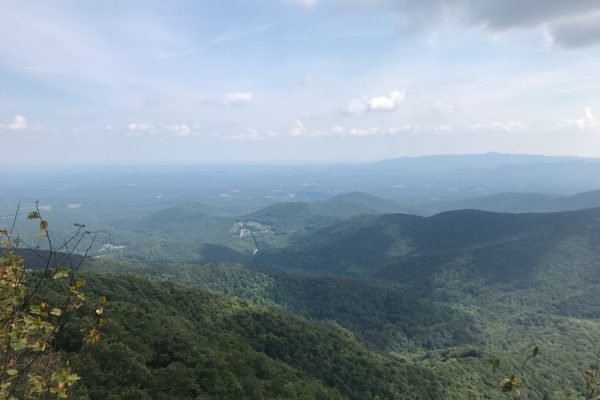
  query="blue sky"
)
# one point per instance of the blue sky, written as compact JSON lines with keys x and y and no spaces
{"x":264,"y":81}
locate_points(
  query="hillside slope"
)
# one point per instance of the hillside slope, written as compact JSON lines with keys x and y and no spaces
{"x":470,"y":245}
{"x":303,"y":216}
{"x":166,"y":341}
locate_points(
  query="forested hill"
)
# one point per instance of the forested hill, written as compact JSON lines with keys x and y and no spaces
{"x":443,"y":295}
{"x":166,"y":341}
{"x":300,"y":216}
{"x":493,"y":247}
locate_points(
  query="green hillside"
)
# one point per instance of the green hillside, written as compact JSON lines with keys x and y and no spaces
{"x":389,"y":317}
{"x":396,"y":306}
{"x":302,"y":216}
{"x":500,"y":320}
{"x":195,"y":232}
{"x":492,"y":246}
{"x":166,"y":341}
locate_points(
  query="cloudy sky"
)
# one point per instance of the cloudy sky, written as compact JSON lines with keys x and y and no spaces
{"x":260,"y":81}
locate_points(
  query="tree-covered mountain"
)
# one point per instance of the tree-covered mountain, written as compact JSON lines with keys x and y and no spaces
{"x":301,"y":216}
{"x":195,"y":232}
{"x":387,"y":316}
{"x":167,"y":341}
{"x":480,"y":245}
{"x":500,"y":321}
{"x":443,"y":296}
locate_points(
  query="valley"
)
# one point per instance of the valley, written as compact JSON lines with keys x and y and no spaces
{"x":347,"y":297}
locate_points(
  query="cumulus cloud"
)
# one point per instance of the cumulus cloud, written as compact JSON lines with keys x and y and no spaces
{"x":19,"y":123}
{"x":504,"y":126}
{"x":250,"y":134}
{"x":588,"y":121}
{"x":139,"y":129}
{"x":443,"y":108}
{"x":238,"y":99}
{"x":378,"y":103}
{"x":370,"y":131}
{"x":179,"y":130}
{"x":571,"y":23}
{"x":298,"y":129}
{"x":576,"y":32}
{"x":302,"y":3}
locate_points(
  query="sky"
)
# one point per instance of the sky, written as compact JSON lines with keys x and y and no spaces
{"x":295,"y":81}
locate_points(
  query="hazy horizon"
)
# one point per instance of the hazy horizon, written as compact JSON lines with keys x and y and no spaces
{"x":84,"y":167}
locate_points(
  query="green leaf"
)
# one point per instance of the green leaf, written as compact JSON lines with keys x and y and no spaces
{"x":35,"y":309}
{"x":33,"y":215}
{"x":43,"y":225}
{"x":56,"y":312}
{"x":12,"y":372}
{"x":17,"y":346}
{"x":60,"y":273}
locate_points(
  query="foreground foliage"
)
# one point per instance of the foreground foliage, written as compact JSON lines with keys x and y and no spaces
{"x":29,"y":322}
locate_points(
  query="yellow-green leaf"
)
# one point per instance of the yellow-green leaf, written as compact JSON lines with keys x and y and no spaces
{"x":60,"y":273}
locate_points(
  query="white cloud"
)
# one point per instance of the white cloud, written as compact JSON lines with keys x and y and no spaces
{"x":505,"y":126}
{"x":140,"y":126}
{"x":298,"y":129}
{"x":179,"y":130}
{"x":337,"y":130}
{"x":401,"y":130}
{"x":302,"y":3}
{"x":250,"y":134}
{"x":139,"y":129}
{"x":588,"y":121}
{"x":444,"y":108}
{"x":340,"y":131}
{"x":440,"y":130}
{"x":378,"y":103}
{"x":238,"y":99}
{"x":372,"y":131}
{"x":19,"y":123}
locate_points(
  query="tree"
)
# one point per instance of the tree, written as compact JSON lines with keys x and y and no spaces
{"x":29,"y":368}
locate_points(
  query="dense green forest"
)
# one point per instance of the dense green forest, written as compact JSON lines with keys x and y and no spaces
{"x":451,"y":291}
{"x":367,"y":306}
{"x":166,"y":341}
{"x":388,"y":316}
{"x":228,"y":347}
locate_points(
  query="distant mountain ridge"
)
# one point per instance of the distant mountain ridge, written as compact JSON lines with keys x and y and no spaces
{"x":484,"y":160}
{"x":285,"y":217}
{"x":477,"y":245}
{"x":513,"y":202}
